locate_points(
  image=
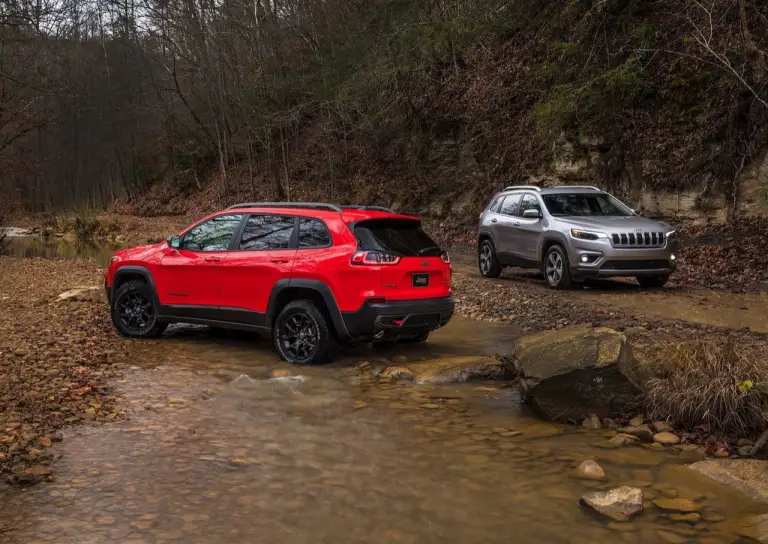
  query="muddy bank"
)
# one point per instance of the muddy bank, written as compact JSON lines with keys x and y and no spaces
{"x":56,"y":359}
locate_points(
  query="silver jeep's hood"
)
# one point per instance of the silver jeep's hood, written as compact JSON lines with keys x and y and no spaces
{"x":611,"y":224}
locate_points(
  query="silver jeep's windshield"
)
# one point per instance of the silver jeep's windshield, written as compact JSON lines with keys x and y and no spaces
{"x":585,"y":205}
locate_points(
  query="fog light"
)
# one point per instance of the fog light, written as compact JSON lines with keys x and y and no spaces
{"x":584,"y":258}
{"x":672,"y":257}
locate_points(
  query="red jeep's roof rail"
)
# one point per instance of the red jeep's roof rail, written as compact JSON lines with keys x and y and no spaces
{"x":366,"y":208}
{"x":318,"y":205}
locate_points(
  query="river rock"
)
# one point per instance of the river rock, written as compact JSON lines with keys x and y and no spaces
{"x":458,"y":370}
{"x":589,"y":470}
{"x":592,"y":422}
{"x":643,"y":432}
{"x":620,"y":503}
{"x":676,"y":505}
{"x":754,"y":527}
{"x":666,"y":438}
{"x":662,"y":427}
{"x":636,"y":421}
{"x":83,"y":294}
{"x":691,"y":517}
{"x":567,"y":372}
{"x":395,"y":373}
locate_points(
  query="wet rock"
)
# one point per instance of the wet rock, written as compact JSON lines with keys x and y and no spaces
{"x":281,"y":373}
{"x":45,"y":442}
{"x":620,"y":503}
{"x":676,"y":505}
{"x":672,"y":538}
{"x":666,"y":438}
{"x":636,"y":421}
{"x":692,"y":517}
{"x":754,"y":527}
{"x":567,"y":372}
{"x":359,"y":404}
{"x":654,"y":447}
{"x":610,"y":424}
{"x":662,"y":427}
{"x":395,"y":373}
{"x":619,"y":441}
{"x":592,"y":422}
{"x":459,"y":369}
{"x":589,"y":470}
{"x":745,"y":451}
{"x":642,"y":432}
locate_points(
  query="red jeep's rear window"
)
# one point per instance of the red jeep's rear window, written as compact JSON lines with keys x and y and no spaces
{"x":402,"y":236}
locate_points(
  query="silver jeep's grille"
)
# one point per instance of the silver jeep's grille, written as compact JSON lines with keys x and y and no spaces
{"x":637,"y":239}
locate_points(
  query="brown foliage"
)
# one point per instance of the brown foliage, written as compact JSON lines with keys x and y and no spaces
{"x":698,"y":383}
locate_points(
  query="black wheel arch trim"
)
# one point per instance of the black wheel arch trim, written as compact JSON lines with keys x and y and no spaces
{"x":314,"y":285}
{"x":552,"y":237}
{"x":135,"y":269}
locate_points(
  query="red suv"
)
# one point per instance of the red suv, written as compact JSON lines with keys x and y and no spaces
{"x":314,"y":275}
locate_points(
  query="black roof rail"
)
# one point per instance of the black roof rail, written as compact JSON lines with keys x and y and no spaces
{"x":317,"y":205}
{"x":364,"y":208}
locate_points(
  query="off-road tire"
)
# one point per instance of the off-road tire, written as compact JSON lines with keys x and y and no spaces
{"x":325,"y":346}
{"x":487,"y":262}
{"x":149,"y":325}
{"x":652,"y":282}
{"x":557,"y":269}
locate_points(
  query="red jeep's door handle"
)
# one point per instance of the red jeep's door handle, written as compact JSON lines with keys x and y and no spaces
{"x":212,"y":260}
{"x":494,"y":220}
{"x":281,"y":261}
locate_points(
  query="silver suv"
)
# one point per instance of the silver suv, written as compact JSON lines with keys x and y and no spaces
{"x":573,"y":233}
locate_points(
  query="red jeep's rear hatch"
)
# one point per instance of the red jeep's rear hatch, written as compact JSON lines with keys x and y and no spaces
{"x":412,"y":265}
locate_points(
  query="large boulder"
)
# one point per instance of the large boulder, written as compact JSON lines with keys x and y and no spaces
{"x":566,"y":373}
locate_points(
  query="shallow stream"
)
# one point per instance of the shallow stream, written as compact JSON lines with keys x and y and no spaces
{"x":218,"y":450}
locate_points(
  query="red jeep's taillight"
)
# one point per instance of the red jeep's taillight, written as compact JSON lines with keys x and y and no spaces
{"x":375,"y":258}
{"x":445,"y":257}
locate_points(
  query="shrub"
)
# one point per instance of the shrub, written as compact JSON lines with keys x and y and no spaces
{"x":704,"y":383}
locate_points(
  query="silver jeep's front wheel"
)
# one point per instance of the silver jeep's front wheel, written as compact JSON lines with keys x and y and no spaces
{"x":557,"y":270}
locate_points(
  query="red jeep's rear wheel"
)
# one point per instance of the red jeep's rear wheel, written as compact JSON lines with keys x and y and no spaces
{"x":302,"y":334}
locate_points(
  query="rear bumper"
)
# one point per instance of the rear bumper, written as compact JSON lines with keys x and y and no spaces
{"x":398,"y":318}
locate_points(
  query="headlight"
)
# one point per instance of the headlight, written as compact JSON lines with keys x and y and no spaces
{"x":114,"y":259}
{"x":587,"y":235}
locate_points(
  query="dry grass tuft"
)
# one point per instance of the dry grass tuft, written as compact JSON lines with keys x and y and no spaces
{"x":698,"y":383}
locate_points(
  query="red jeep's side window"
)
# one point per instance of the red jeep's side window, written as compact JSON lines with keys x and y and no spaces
{"x":264,"y":232}
{"x":313,"y":233}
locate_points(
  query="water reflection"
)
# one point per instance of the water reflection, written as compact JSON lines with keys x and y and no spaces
{"x":62,"y":248}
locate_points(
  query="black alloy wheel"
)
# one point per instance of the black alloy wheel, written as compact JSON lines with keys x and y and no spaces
{"x":302,"y":334}
{"x":134,"y":313}
{"x":299,"y":336}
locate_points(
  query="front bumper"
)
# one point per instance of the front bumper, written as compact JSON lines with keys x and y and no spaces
{"x":398,"y":318}
{"x":607,"y":261}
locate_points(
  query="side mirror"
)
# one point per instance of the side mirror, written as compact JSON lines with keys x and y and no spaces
{"x":531,"y":214}
{"x":174,"y":241}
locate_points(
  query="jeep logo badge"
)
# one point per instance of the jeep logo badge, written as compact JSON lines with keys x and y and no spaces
{"x":424,"y":263}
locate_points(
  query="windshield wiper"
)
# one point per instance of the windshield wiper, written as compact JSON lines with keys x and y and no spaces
{"x":424,"y":250}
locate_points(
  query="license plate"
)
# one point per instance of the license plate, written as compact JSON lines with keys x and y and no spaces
{"x":421,"y":280}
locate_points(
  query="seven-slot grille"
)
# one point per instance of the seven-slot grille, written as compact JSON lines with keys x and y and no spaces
{"x":637,"y":239}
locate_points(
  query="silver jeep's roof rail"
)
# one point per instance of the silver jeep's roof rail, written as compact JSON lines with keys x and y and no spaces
{"x":522,"y":187}
{"x":578,"y":187}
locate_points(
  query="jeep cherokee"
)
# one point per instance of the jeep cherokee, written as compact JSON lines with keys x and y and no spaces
{"x":313,"y":275}
{"x":573,"y":233}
